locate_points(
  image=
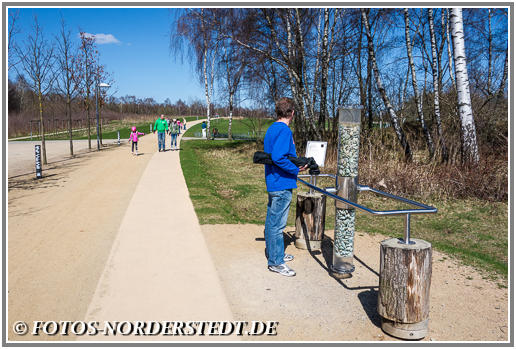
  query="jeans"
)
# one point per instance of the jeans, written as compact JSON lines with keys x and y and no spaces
{"x":276,"y":221}
{"x":161,"y":140}
{"x":135,"y":144}
{"x":173,"y":140}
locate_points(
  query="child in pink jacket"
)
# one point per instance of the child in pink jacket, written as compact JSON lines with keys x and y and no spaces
{"x":134,"y":138}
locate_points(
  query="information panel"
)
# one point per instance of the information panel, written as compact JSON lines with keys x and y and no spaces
{"x":37,"y":150}
{"x":317,"y":150}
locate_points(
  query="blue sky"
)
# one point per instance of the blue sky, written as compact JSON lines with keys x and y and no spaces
{"x":141,"y":61}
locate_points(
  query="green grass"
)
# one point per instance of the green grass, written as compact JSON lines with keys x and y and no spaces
{"x":239,"y":126}
{"x":226,"y":187}
{"x":109,"y":130}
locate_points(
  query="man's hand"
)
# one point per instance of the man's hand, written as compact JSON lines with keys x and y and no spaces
{"x":303,"y":168}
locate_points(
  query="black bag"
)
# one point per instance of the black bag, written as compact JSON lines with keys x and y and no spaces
{"x":264,"y":158}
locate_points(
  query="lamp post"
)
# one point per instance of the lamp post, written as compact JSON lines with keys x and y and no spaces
{"x":97,"y":90}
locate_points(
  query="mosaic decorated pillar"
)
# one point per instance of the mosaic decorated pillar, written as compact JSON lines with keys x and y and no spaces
{"x":347,"y":182}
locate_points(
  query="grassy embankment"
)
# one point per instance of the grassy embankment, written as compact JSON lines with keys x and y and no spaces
{"x":240,"y":127}
{"x":226,"y":187}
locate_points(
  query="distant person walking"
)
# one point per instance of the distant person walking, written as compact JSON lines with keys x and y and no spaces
{"x":184,"y":123}
{"x":203,"y":127}
{"x":280,"y":178}
{"x":173,"y":135}
{"x":161,"y":126}
{"x":178,"y":126}
{"x":134,"y":138}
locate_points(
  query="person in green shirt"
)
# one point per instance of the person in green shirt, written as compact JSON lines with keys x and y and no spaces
{"x":161,"y":126}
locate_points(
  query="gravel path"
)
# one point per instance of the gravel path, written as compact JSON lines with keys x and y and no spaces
{"x":21,"y":158}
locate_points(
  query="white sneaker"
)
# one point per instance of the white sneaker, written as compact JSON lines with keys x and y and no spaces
{"x":282,"y":269}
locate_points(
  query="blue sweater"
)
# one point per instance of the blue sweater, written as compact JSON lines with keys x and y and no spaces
{"x":279,"y":142}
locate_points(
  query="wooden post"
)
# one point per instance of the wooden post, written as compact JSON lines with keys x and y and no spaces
{"x":404,"y":294}
{"x":310,"y":218}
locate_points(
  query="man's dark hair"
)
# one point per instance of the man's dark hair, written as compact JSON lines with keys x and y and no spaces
{"x":284,"y":107}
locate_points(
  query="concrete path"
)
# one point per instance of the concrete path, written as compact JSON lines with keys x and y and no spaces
{"x":159,"y":268}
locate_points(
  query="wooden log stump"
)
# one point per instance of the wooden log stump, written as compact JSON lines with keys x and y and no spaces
{"x":310,"y":218}
{"x":404,"y":294}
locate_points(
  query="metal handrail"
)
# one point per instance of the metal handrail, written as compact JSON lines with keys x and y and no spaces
{"x":423,"y":208}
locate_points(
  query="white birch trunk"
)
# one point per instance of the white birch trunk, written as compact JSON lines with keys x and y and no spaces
{"x":435,"y":76}
{"x":302,"y":85}
{"x":207,"y":92}
{"x":450,"y":60}
{"x":469,"y":134}
{"x":501,"y":88}
{"x":394,"y":118}
{"x":418,"y":97}
{"x":205,"y":72}
{"x":294,"y":80}
{"x":230,"y":136}
{"x":489,"y":54}
{"x":317,"y":61}
{"x":324,"y":71}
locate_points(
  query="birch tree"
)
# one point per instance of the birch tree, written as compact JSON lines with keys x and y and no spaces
{"x":234,"y":70}
{"x":436,"y":80}
{"x":489,"y":53}
{"x":448,"y":40}
{"x":37,"y":62}
{"x":325,"y":64}
{"x":392,"y":114}
{"x":417,"y":96}
{"x":469,"y":136}
{"x":503,"y":81}
{"x":195,"y":27}
{"x":286,"y":30}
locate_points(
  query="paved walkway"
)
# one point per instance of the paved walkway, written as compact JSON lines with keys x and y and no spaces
{"x":159,"y":268}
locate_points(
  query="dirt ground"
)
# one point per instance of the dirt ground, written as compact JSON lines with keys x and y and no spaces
{"x":21,"y":154}
{"x":61,"y":230}
{"x":312,"y":306}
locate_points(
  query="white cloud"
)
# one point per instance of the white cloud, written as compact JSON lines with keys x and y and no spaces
{"x":103,"y":38}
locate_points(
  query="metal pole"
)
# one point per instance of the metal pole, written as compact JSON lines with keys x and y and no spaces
{"x":347,"y":186}
{"x":407,"y":232}
{"x":97,"y":112}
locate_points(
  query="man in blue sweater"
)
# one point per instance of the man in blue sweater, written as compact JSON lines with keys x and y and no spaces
{"x":280,"y":179}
